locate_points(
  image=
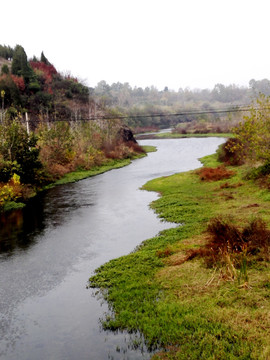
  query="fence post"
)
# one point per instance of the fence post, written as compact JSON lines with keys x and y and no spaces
{"x":27,"y":123}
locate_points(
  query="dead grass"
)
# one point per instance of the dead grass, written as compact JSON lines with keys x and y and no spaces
{"x":227,"y":185}
{"x":214,"y":174}
{"x":224,"y":246}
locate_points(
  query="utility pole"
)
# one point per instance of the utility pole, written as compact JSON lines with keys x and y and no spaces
{"x":3,"y":104}
{"x":27,"y":123}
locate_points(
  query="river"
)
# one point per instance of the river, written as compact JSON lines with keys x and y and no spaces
{"x":49,"y":250}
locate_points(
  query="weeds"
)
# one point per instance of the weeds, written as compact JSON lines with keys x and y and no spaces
{"x":214,"y":174}
{"x":226,"y":237}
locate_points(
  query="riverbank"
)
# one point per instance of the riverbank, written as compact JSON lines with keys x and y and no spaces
{"x":80,"y":175}
{"x":170,"y":135}
{"x":175,"y":300}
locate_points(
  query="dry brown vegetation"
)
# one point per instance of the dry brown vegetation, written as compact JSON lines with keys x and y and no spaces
{"x":214,"y":174}
{"x":225,"y":244}
{"x":204,"y":127}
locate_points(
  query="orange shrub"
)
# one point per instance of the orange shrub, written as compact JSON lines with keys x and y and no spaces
{"x":214,"y":174}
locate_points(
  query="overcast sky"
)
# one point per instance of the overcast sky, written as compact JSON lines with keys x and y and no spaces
{"x":174,"y":43}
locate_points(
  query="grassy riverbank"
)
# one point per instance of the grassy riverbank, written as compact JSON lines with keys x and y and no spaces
{"x":83,"y":174}
{"x":180,"y":136}
{"x":170,"y":135}
{"x":176,"y":301}
{"x":80,"y":175}
{"x":110,"y":165}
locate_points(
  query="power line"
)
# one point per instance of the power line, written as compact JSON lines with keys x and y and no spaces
{"x":187,"y":112}
{"x":237,"y":108}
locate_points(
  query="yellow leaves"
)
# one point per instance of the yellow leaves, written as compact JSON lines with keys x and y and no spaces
{"x":10,"y":191}
{"x":16,"y":179}
{"x":253,"y":132}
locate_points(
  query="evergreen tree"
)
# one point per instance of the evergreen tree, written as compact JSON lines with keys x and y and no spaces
{"x":20,"y":64}
{"x":6,"y":52}
{"x":44,"y":59}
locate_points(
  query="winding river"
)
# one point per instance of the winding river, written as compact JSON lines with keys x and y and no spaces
{"x":49,"y":250}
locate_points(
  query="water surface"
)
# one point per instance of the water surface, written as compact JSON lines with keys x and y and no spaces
{"x":49,"y":250}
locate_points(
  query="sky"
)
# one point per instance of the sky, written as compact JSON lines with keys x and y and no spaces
{"x":175,"y":43}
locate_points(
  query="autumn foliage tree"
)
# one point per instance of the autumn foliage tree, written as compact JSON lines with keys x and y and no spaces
{"x":253,"y":133}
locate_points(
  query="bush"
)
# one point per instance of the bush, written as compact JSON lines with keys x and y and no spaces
{"x":19,"y":152}
{"x":7,"y":169}
{"x":259,"y":172}
{"x":228,"y":243}
{"x":231,"y":153}
{"x":214,"y":174}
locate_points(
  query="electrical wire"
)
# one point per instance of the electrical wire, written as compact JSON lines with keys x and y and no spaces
{"x":236,"y":108}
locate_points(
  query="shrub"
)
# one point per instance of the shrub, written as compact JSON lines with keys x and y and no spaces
{"x":19,"y":152}
{"x":259,"y":172}
{"x":227,"y":242}
{"x":11,"y":191}
{"x":214,"y":174}
{"x":231,"y":152}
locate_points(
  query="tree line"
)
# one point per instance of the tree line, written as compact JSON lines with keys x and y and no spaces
{"x":35,"y":86}
{"x":123,"y":99}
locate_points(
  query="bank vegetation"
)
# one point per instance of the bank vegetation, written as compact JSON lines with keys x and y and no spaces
{"x":201,"y":290}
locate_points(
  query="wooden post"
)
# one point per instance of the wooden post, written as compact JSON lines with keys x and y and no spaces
{"x":27,"y":123}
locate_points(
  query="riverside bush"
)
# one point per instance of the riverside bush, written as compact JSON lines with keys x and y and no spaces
{"x":228,"y":239}
{"x":214,"y":174}
{"x":19,"y":152}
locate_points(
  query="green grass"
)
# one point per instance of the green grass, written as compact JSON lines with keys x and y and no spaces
{"x":178,"y":136}
{"x":12,"y":205}
{"x":76,"y":176}
{"x":149,"y":148}
{"x":182,"y":306}
{"x":83,"y":174}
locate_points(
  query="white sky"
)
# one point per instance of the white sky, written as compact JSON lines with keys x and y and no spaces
{"x":174,"y":43}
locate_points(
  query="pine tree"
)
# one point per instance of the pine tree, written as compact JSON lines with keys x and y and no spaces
{"x":20,"y":64}
{"x":44,"y":59}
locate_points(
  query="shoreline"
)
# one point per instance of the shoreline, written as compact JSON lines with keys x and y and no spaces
{"x":180,"y":136}
{"x":78,"y":175}
{"x":183,"y":307}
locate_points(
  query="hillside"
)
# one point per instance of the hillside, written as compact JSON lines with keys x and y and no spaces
{"x":35,"y":86}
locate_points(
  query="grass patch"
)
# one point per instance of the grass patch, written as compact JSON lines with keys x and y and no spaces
{"x":149,"y":148}
{"x":178,"y":302}
{"x":12,"y":205}
{"x":83,"y":174}
{"x":179,"y":136}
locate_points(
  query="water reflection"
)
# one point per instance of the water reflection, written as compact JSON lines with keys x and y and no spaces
{"x":19,"y":227}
